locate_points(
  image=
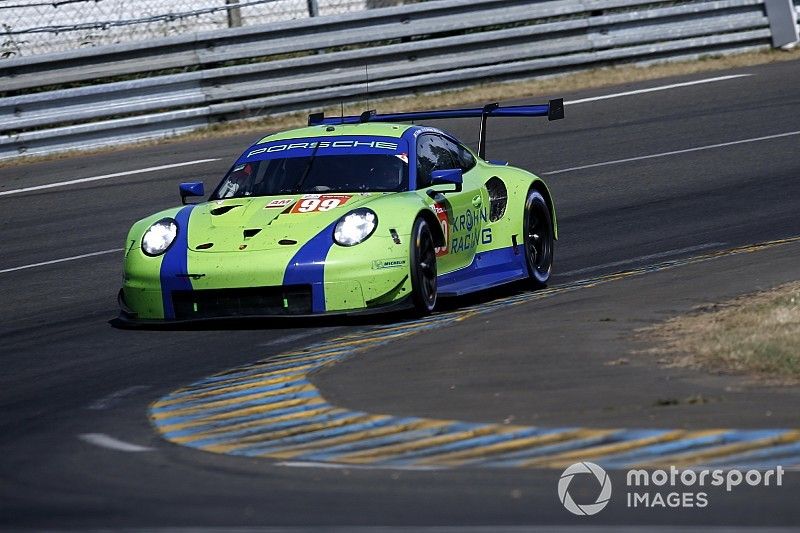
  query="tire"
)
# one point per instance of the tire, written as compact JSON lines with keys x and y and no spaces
{"x":538,"y":239}
{"x":423,"y":268}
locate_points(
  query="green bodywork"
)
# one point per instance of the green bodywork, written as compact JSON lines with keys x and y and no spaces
{"x":374,"y":273}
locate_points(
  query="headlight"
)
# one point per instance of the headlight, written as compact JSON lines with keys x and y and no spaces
{"x":355,"y":227}
{"x":158,"y":237}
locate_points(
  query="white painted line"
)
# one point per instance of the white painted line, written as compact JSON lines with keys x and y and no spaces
{"x":114,"y":398}
{"x":63,"y":259}
{"x":675,"y":152}
{"x":297,"y":336}
{"x":343,"y":466}
{"x":659,"y":255}
{"x":659,"y":88}
{"x":104,"y":441}
{"x":107,"y":176}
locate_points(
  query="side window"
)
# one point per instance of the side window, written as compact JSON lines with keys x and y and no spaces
{"x":461,"y":156}
{"x":433,"y":153}
{"x":466,"y":159}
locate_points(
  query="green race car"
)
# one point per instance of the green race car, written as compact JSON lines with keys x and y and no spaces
{"x":350,"y":214}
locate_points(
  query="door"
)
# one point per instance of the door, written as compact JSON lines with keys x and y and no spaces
{"x":460,"y":213}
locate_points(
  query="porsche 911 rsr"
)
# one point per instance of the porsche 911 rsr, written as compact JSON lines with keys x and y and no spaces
{"x":347,"y":215}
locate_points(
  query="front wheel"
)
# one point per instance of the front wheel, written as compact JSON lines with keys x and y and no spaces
{"x":423,"y":268}
{"x":538,"y":235}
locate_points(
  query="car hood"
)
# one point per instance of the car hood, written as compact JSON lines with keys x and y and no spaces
{"x":265,"y":222}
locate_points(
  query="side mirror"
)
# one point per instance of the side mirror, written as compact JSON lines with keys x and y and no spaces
{"x":194,"y":188}
{"x":450,"y":176}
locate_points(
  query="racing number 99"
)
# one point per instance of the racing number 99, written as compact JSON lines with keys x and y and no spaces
{"x":316,"y":204}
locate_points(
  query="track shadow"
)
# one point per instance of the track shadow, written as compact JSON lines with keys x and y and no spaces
{"x":445,"y":305}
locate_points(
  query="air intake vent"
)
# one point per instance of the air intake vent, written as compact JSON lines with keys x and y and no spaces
{"x":498,"y":198}
{"x":255,"y":301}
{"x":251,"y":232}
{"x":222,"y":210}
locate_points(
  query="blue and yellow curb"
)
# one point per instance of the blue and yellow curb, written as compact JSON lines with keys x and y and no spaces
{"x":271,"y":409}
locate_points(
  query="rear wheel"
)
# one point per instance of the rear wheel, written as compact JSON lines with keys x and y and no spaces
{"x":538,"y":236}
{"x":423,"y":267}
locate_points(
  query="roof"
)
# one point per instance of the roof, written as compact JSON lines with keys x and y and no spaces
{"x":373,"y":129}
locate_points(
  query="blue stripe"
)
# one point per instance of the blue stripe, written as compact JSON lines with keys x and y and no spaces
{"x":516,"y":458}
{"x":231,"y":422}
{"x":324,"y":434}
{"x":233,"y":379}
{"x":652,"y":453}
{"x":308,"y":267}
{"x":784,"y":455}
{"x":649,"y":453}
{"x":227,"y":436}
{"x":466,"y":444}
{"x":229,"y":395}
{"x":768,"y":464}
{"x":378,"y":442}
{"x":237,"y":407}
{"x":175,"y":262}
{"x":203,"y":388}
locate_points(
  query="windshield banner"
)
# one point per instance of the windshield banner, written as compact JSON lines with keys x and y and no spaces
{"x":325,"y":146}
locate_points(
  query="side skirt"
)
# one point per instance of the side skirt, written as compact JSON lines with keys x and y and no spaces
{"x":488,"y":269}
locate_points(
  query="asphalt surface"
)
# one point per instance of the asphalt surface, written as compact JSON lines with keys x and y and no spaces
{"x":67,"y":372}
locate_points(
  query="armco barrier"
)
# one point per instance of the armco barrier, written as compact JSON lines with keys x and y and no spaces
{"x":250,"y":72}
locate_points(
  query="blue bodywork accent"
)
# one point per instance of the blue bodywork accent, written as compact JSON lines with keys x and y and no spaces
{"x":174,"y":266}
{"x":488,"y":269}
{"x":192,"y":188}
{"x":448,"y":176}
{"x":307,"y":267}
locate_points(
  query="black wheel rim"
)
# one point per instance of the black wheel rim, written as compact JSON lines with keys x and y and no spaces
{"x":539,"y":241}
{"x":427,"y":266}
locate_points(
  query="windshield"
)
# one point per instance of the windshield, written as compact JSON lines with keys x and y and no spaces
{"x":340,"y":173}
{"x":303,"y":166}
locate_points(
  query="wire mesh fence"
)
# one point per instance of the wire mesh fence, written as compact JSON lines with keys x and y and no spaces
{"x":29,"y":27}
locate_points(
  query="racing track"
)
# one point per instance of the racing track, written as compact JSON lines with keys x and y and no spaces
{"x":68,"y":374}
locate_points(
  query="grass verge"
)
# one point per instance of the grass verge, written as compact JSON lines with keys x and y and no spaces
{"x":540,"y":87}
{"x":756,"y":335}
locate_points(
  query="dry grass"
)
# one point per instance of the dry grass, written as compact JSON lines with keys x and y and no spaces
{"x":541,"y":87}
{"x":757,"y":335}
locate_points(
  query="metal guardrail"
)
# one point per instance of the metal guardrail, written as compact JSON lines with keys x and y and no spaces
{"x":316,"y":62}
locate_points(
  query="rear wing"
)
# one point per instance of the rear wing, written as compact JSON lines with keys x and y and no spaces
{"x":553,"y":110}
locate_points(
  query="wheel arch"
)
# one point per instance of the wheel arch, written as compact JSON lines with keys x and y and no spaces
{"x":539,"y":186}
{"x":436,"y":228}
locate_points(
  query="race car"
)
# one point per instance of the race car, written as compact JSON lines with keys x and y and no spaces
{"x":350,"y":214}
